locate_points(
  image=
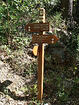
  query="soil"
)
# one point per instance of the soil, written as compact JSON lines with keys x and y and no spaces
{"x":12,"y":82}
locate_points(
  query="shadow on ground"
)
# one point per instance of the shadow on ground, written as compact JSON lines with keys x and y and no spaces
{"x":6,"y":91}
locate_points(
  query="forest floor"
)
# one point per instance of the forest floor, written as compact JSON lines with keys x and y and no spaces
{"x":18,"y":81}
{"x":9,"y":85}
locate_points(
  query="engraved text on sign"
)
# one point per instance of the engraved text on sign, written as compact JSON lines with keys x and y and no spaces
{"x":37,"y":27}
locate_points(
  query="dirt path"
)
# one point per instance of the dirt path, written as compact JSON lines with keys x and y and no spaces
{"x":9,"y":86}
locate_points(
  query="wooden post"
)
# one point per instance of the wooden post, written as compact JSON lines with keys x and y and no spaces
{"x":41,"y":58}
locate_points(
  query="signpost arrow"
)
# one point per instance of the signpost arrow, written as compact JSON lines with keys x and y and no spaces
{"x":44,"y":39}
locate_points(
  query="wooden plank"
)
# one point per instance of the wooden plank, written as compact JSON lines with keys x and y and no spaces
{"x":37,"y":27}
{"x":40,"y":71}
{"x":44,"y":39}
{"x":41,"y":62}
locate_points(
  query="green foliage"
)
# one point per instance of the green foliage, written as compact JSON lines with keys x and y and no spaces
{"x":6,"y":49}
{"x":20,"y":42}
{"x":31,"y":69}
{"x":13,"y":17}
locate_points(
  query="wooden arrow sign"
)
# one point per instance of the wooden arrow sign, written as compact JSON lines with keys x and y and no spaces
{"x":37,"y":27}
{"x":44,"y":39}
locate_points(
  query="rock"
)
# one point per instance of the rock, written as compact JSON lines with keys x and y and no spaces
{"x":1,"y":103}
{"x":1,"y":63}
{"x":47,"y":104}
{"x":2,"y":57}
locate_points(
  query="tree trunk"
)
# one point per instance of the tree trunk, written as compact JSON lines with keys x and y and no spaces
{"x":67,"y":8}
{"x":67,"y":12}
{"x":70,"y":9}
{"x":77,"y":11}
{"x":64,"y":7}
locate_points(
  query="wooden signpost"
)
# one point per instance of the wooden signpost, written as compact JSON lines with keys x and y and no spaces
{"x":40,"y":39}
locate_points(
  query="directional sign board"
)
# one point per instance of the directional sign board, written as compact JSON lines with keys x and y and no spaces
{"x":44,"y":39}
{"x":37,"y":27}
